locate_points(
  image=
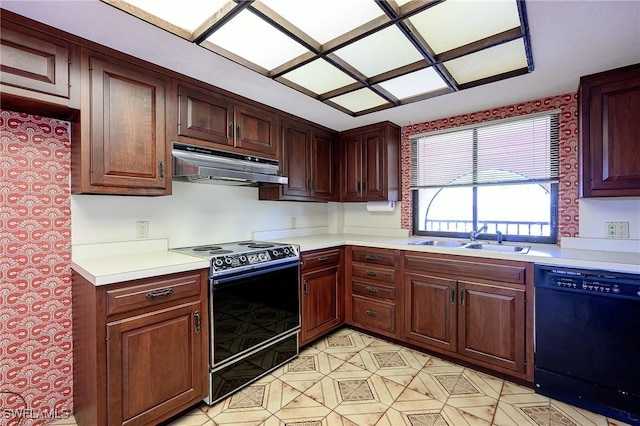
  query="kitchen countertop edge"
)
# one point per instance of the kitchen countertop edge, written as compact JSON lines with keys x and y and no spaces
{"x":539,"y":253}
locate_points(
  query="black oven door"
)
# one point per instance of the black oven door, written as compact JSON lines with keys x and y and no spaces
{"x":252,"y":309}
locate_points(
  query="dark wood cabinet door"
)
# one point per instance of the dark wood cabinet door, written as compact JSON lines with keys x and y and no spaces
{"x":322,"y":165}
{"x":431,"y":309}
{"x":352,"y":168}
{"x":373,"y":172}
{"x":204,"y":116}
{"x":491,"y":324}
{"x":128,"y":142}
{"x":322,"y":302}
{"x":610,"y":133}
{"x":154,"y":364}
{"x":256,"y":130}
{"x":295,"y":164}
{"x":35,"y":64}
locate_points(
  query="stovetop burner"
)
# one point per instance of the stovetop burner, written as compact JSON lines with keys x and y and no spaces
{"x":206,"y":248}
{"x":242,"y":255}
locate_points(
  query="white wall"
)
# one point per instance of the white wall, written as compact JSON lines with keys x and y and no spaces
{"x":594,"y":212}
{"x":360,"y":221}
{"x":194,"y":214}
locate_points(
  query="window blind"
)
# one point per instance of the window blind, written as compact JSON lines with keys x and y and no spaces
{"x":524,"y":150}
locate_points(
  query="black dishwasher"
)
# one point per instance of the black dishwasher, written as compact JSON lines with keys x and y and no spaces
{"x":587,"y":347}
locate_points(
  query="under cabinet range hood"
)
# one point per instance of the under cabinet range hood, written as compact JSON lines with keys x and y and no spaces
{"x":204,"y":165}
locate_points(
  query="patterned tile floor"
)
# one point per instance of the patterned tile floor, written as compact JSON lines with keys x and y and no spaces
{"x":350,"y":378}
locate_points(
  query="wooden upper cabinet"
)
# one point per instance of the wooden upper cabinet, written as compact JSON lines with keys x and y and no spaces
{"x":308,"y":160}
{"x":610,"y":133}
{"x":37,"y":67}
{"x":222,"y":123}
{"x":124,"y":149}
{"x":370,"y":163}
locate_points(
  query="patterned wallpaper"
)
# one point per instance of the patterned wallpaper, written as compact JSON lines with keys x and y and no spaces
{"x":36,"y":365}
{"x":567,"y":104}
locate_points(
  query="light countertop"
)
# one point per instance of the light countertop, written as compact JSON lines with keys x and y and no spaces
{"x":547,"y":254}
{"x":111,"y":263}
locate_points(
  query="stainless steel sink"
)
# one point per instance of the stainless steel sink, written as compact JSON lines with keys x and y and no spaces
{"x":497,"y":248}
{"x":438,"y":243}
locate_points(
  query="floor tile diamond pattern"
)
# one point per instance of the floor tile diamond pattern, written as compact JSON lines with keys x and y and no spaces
{"x":351,"y":379}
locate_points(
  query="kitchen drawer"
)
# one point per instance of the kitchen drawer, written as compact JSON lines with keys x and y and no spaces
{"x":373,"y":273}
{"x":384,"y":258}
{"x":152,"y":292}
{"x":374,"y":315}
{"x":496,"y":272}
{"x":320,"y":259}
{"x":373,"y":290}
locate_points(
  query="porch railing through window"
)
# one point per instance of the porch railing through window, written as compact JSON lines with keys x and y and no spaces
{"x":506,"y":227}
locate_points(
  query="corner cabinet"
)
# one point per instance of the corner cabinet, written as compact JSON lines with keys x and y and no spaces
{"x":475,"y":310}
{"x":122,"y":146}
{"x":322,"y":294}
{"x":140,"y":349}
{"x":609,"y":105}
{"x":308,"y":161}
{"x":369,"y":168}
{"x":216,"y":121}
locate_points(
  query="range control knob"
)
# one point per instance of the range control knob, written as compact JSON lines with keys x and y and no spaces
{"x":218,"y":262}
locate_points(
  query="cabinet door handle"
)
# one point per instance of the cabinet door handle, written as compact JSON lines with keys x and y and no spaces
{"x":323,"y":258}
{"x":159,"y":293}
{"x":230,"y":129}
{"x":196,"y":322}
{"x":364,"y":186}
{"x":238,"y":132}
{"x":358,"y":187}
{"x":161,"y":170}
{"x":309,"y":185}
{"x":462,"y":296}
{"x":372,"y":313}
{"x":453,"y":295}
{"x":372,"y":289}
{"x":305,"y":288}
{"x":372,"y":273}
{"x":370,"y":257}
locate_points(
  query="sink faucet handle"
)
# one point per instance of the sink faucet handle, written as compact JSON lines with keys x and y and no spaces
{"x":499,"y":235}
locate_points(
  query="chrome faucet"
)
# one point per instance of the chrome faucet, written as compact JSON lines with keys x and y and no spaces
{"x":474,"y":234}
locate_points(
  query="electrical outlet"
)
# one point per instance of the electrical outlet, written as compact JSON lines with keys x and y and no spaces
{"x":617,"y":229}
{"x":142,"y":229}
{"x":293,"y":223}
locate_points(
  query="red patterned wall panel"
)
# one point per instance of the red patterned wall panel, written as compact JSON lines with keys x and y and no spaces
{"x":567,"y":104}
{"x":35,"y":280}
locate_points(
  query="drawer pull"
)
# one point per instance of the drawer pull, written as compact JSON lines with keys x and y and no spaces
{"x":323,"y":258}
{"x":372,"y":289}
{"x":372,"y":313}
{"x":370,"y":257}
{"x":159,"y":293}
{"x":372,"y":273}
{"x":196,"y":322}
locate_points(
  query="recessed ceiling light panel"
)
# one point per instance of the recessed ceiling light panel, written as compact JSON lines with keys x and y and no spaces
{"x":319,"y":77}
{"x":414,"y":84}
{"x":359,"y":100}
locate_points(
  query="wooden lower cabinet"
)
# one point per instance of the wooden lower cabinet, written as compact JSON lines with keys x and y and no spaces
{"x":471,"y":310}
{"x":322,"y":294}
{"x":373,"y":301}
{"x":140,"y":349}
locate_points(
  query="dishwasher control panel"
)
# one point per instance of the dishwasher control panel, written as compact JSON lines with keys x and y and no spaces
{"x":588,"y":281}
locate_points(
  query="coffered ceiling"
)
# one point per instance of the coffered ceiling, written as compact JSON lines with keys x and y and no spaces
{"x":569,"y":38}
{"x":358,"y":56}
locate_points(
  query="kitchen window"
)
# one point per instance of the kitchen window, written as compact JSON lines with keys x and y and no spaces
{"x":502,"y":174}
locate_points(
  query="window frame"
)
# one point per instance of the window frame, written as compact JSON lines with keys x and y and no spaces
{"x":554,"y":195}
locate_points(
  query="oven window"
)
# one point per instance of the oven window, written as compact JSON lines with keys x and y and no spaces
{"x":249,"y":311}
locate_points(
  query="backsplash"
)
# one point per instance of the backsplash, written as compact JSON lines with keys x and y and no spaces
{"x":36,"y":368}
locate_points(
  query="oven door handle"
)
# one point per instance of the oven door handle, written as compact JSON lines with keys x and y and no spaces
{"x":217,"y":282}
